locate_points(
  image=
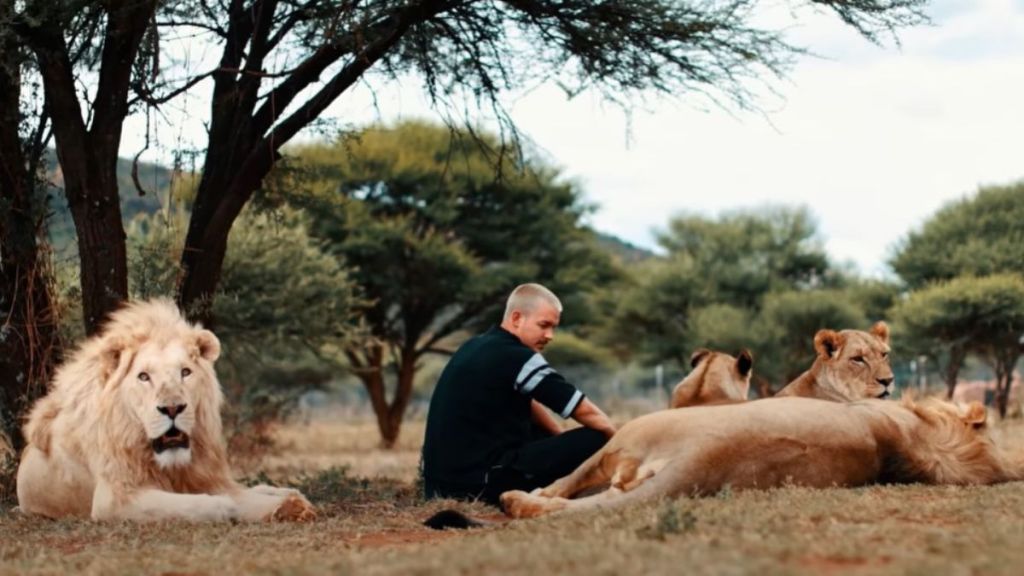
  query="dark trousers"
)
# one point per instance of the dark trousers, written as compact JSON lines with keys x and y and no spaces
{"x":533,"y":465}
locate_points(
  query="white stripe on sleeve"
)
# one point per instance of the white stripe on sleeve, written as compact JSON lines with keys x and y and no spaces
{"x":532,"y":382}
{"x":536,"y":361}
{"x":573,"y":403}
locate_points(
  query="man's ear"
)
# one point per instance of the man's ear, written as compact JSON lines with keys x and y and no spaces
{"x":698,"y":355}
{"x":744,"y":362}
{"x":826,"y":342}
{"x":208,"y":345}
{"x":881,"y":330}
{"x":975,"y":414}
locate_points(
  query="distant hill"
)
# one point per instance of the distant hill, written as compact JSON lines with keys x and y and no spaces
{"x":624,"y":251}
{"x":154,"y":178}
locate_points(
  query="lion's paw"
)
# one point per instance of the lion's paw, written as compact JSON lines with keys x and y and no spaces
{"x":516,"y":504}
{"x":294,"y":508}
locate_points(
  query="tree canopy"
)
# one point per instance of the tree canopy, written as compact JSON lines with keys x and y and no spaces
{"x":979,"y":235}
{"x":968,"y":314}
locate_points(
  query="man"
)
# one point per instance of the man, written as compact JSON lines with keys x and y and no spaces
{"x":487,"y":428}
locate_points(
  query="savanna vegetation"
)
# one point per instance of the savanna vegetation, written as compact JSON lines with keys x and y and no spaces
{"x":354,"y":264}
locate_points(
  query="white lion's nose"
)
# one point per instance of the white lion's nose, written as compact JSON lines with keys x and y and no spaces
{"x":172,"y":410}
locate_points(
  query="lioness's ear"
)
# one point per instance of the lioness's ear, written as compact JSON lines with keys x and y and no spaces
{"x":744,"y":362}
{"x":208,"y":344}
{"x":826,"y":342}
{"x":697,"y":356}
{"x":975,"y":414}
{"x":881,"y":330}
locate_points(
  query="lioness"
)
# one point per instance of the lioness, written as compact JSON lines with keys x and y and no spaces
{"x":778,"y":441}
{"x":715,"y":377}
{"x":851,"y":365}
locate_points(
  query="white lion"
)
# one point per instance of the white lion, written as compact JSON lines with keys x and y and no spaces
{"x":131,"y":429}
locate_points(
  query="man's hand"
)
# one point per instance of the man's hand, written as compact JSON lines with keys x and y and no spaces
{"x":588,"y":414}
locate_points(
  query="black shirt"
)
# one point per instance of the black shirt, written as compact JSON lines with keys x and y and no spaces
{"x":480,"y":408}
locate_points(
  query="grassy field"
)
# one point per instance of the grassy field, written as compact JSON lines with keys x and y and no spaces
{"x":371,"y":514}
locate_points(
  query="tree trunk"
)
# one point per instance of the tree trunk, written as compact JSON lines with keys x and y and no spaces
{"x":952,"y":371}
{"x":28,"y":337}
{"x":88,"y":153}
{"x":102,"y":255}
{"x":367,"y":364}
{"x":209,"y":227}
{"x":247,"y":129}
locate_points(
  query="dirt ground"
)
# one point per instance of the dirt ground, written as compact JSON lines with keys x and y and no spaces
{"x":371,"y":516}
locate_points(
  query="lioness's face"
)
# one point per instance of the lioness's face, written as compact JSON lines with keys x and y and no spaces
{"x":855,"y":363}
{"x":164,"y":385}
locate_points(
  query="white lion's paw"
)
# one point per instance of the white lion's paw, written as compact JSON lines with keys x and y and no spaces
{"x":294,"y":508}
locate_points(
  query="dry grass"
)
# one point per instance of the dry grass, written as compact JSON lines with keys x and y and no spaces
{"x":345,"y":441}
{"x":372,"y":527}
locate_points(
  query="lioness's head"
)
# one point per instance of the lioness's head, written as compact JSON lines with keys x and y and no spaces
{"x":715,"y":377}
{"x":853,"y":364}
{"x":160,"y":377}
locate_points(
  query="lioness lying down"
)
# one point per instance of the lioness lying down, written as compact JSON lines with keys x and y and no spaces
{"x":778,"y":441}
{"x":131,"y":429}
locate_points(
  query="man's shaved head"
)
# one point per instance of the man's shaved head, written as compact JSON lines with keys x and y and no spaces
{"x":526,"y":297}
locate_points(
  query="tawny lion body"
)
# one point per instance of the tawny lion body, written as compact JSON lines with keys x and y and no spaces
{"x":850,"y":365}
{"x":715,"y":377}
{"x":773,"y":442}
{"x":131,"y":429}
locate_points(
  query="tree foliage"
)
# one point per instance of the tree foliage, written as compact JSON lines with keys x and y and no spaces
{"x":788,"y":323}
{"x":979,"y":235}
{"x":969,"y":314}
{"x":711,"y":286}
{"x":747,"y":254}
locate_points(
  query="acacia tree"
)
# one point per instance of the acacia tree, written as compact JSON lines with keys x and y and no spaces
{"x":28,"y":338}
{"x":978,"y":235}
{"x":968,"y":314}
{"x":436,"y":243}
{"x":283,"y":62}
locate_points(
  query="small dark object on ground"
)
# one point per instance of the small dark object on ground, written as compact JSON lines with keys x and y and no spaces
{"x":453,"y":519}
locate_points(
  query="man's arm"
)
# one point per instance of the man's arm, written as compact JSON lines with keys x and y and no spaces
{"x":543,"y":418}
{"x":588,"y":414}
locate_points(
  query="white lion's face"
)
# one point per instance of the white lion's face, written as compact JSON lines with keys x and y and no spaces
{"x":164,"y":386}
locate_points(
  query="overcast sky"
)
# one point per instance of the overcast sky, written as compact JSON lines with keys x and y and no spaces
{"x":871,"y":139}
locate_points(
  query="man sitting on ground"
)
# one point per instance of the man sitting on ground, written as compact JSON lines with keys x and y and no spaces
{"x":487,"y":429}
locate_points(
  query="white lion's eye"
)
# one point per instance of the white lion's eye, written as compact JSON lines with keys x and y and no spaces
{"x":185,"y":372}
{"x":143,"y":377}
